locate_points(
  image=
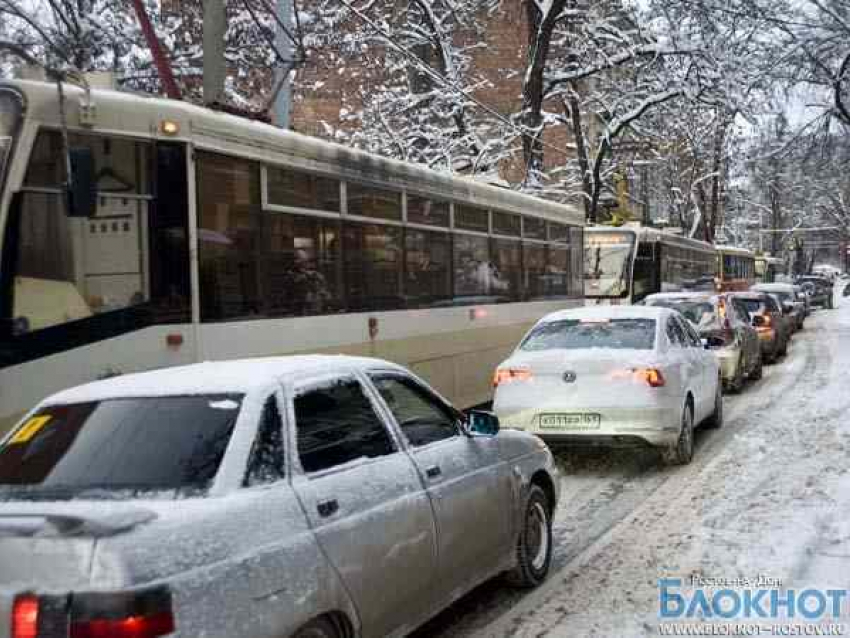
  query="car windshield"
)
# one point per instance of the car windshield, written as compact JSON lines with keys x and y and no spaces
{"x":573,"y":334}
{"x":700,"y":313}
{"x":10,"y":117}
{"x":118,"y":447}
{"x":607,"y":260}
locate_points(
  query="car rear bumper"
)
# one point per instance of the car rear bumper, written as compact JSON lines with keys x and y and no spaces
{"x":618,"y":427}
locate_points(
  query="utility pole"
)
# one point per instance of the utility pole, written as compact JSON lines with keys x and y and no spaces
{"x":283,"y":99}
{"x":214,"y":27}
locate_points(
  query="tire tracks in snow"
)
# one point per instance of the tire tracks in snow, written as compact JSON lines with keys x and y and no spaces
{"x":603,"y":494}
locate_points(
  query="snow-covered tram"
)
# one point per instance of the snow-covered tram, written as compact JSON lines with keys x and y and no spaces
{"x":188,"y":234}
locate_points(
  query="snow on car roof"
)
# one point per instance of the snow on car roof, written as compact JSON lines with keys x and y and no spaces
{"x":661,"y":296}
{"x":609,"y":312}
{"x":211,"y":377}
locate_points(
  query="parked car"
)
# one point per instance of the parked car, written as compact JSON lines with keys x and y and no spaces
{"x":723,"y":329}
{"x":767,"y":318}
{"x":819,"y":290}
{"x":299,"y":496}
{"x":792,"y":306}
{"x":612,"y":375}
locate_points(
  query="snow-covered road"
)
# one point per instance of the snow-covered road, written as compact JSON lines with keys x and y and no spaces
{"x":769,"y":494}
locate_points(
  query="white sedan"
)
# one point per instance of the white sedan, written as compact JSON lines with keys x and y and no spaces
{"x":613,"y":375}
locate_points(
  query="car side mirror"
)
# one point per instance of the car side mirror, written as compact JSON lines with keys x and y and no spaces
{"x":787,"y":308}
{"x":759,"y":321}
{"x":480,"y":423}
{"x":82,"y":186}
{"x":710,"y":343}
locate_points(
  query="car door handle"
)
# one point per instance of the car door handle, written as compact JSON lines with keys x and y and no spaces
{"x":434,"y":471}
{"x":327,"y":508}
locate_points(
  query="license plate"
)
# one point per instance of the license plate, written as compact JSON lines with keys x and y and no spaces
{"x":575,"y":421}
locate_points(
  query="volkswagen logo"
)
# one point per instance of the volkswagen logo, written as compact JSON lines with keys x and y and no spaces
{"x":569,"y":376}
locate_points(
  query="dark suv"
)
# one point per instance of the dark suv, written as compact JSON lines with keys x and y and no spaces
{"x":774,"y":331}
{"x":818,"y":289}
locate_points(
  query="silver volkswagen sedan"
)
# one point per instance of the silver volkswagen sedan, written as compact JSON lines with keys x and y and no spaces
{"x":320,"y":496}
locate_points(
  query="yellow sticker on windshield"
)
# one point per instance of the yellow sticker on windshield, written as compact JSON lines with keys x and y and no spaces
{"x":29,"y":429}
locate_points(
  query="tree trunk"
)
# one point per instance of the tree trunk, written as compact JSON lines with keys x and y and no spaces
{"x":574,"y":109}
{"x":540,"y":29}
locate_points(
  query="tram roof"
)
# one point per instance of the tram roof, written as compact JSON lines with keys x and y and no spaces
{"x":646,"y":233}
{"x":140,"y":115}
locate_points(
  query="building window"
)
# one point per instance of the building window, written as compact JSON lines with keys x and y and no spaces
{"x":372,"y":266}
{"x":428,"y":274}
{"x":368,"y":201}
{"x":471,"y":218}
{"x":427,"y":211}
{"x":229,"y":237}
{"x":295,"y":189}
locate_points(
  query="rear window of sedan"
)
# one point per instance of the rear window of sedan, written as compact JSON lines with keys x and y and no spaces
{"x":572,"y":334}
{"x":700,"y":313}
{"x":119,"y":447}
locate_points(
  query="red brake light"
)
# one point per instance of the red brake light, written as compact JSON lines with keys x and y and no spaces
{"x":25,"y":617}
{"x":509,"y":375}
{"x":131,"y":614}
{"x":651,"y":376}
{"x":159,"y":624}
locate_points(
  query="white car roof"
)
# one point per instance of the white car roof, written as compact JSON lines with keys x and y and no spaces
{"x":775,"y":287}
{"x":213,"y":377}
{"x":609,"y":312}
{"x":693,"y":294}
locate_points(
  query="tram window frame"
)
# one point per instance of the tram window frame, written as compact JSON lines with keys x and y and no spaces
{"x":97,"y":312}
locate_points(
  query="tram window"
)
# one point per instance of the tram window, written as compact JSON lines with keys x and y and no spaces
{"x":287,"y":187}
{"x":372,"y":266}
{"x":427,"y":211}
{"x":368,"y":201}
{"x":300,"y":267}
{"x":471,"y":218}
{"x":534,"y":270}
{"x":474,"y":272}
{"x":534,"y":228}
{"x":558,"y":271}
{"x":228,"y":236}
{"x":559,"y":233}
{"x":428,"y":275}
{"x":78,"y":280}
{"x":507,"y":262}
{"x":644,"y":282}
{"x":505,"y":224}
{"x":122,"y":165}
{"x":577,"y":263}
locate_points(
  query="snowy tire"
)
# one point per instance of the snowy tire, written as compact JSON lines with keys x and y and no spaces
{"x":715,"y":421}
{"x":683,"y":451}
{"x":737,"y":383}
{"x":318,"y":628}
{"x":534,"y":545}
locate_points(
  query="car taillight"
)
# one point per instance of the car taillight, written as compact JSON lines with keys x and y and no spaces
{"x":25,"y":617}
{"x":767,"y":321}
{"x":651,"y":376}
{"x":135,"y":614}
{"x":721,"y":306}
{"x":509,"y":375}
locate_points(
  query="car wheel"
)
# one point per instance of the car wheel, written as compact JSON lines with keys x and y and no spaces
{"x":683,"y":451}
{"x":318,"y":628}
{"x":758,"y":372}
{"x":715,"y":421}
{"x":534,"y":546}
